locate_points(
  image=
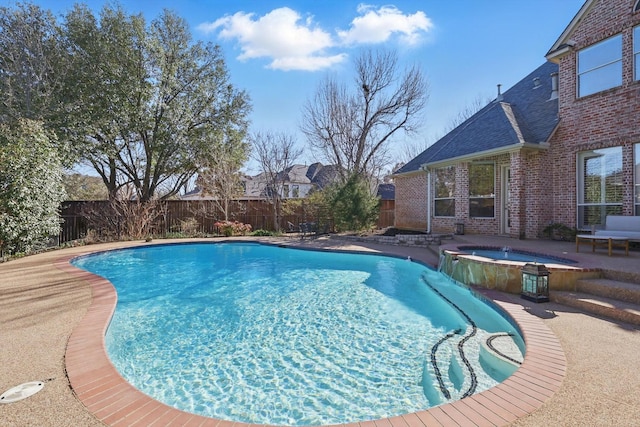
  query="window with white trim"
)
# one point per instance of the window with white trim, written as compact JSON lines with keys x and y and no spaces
{"x":482,"y":194}
{"x":600,"y":186}
{"x":600,"y":66}
{"x":445,"y":190}
{"x":636,"y":51}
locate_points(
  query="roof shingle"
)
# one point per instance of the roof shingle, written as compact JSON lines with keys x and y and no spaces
{"x":526,"y":114}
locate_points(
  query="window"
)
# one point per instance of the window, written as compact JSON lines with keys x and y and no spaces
{"x":636,"y":50}
{"x":482,"y":190}
{"x":599,"y":186}
{"x":600,"y":66}
{"x":444,"y":200}
{"x":295,"y":191}
{"x":636,"y":174}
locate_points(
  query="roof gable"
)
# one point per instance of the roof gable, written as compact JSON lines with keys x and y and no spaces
{"x":564,"y":42}
{"x":525,"y":114}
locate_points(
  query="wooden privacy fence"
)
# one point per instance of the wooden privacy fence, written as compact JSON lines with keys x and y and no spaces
{"x":201,"y":216}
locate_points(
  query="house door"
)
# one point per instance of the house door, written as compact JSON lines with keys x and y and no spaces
{"x":506,"y":195}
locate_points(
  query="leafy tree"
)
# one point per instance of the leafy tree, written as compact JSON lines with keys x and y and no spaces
{"x":84,"y":187}
{"x":275,"y":153}
{"x":30,"y":185}
{"x":33,"y":63}
{"x":158,"y":105}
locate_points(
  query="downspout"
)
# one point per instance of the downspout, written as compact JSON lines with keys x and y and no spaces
{"x":428,"y":171}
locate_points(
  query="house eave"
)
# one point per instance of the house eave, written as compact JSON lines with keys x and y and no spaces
{"x":556,"y":55}
{"x":488,"y":153}
{"x":408,"y":174}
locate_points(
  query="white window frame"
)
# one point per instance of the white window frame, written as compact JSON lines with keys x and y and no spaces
{"x":580,"y":74}
{"x":605,"y":207}
{"x":636,"y":51}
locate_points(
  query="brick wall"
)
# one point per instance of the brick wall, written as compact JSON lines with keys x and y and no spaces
{"x":411,"y":202}
{"x":530,"y":198}
{"x":604,"y":119}
{"x":538,"y":194}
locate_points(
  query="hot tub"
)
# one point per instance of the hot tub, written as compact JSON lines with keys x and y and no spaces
{"x":500,"y":268}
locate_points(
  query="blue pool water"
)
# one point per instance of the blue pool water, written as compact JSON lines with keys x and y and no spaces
{"x":516,"y":255}
{"x":272,"y":335}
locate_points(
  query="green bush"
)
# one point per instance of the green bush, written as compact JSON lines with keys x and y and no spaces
{"x":31,"y":187}
{"x":558,"y":231}
{"x":261,"y":232}
{"x":354,"y":207}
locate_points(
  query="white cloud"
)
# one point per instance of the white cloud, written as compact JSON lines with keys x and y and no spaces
{"x":294,"y":43}
{"x":280,"y":36}
{"x":377,"y":26}
{"x":307,"y":63}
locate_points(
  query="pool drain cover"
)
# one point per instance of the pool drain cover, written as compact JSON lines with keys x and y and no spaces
{"x":21,"y":391}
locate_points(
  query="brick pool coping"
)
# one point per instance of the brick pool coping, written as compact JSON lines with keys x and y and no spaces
{"x":115,"y":402}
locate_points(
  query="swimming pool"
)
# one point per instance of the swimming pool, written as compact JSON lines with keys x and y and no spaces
{"x":263,"y":334}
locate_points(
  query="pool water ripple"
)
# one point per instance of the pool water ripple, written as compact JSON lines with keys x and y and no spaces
{"x":302,"y":338}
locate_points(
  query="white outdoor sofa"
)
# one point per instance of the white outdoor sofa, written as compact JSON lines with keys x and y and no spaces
{"x":618,"y":231}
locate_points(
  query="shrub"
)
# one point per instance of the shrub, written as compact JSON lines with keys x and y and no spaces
{"x":262,"y":233}
{"x":353,"y":206}
{"x":30,"y":186}
{"x":233,"y":228}
{"x":189,"y":226}
{"x":557,"y":231}
{"x":122,"y":219}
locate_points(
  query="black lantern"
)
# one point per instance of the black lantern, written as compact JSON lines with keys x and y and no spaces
{"x":535,"y":282}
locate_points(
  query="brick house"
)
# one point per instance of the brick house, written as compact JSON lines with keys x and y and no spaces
{"x":560,"y":146}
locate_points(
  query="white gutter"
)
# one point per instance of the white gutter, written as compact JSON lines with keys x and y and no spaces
{"x":428,"y":201}
{"x":487,"y":153}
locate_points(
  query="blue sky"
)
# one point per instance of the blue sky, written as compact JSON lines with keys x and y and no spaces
{"x":279,"y":51}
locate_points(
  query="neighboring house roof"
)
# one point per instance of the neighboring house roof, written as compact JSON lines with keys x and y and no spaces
{"x":524,"y":114}
{"x":387,"y":191}
{"x":317,"y":175}
{"x":296,"y":174}
{"x":322,"y":175}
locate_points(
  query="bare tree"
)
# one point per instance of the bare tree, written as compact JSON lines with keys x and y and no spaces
{"x":352,"y":127}
{"x":275,"y":153}
{"x":221,"y":179}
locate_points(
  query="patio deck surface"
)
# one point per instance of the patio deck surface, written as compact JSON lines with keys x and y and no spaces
{"x":49,"y":309}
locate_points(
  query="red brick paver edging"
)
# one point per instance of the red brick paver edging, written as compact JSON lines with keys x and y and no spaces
{"x":111,"y":399}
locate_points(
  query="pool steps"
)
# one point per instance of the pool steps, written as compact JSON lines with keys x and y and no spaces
{"x":613,"y":299}
{"x":443,"y":377}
